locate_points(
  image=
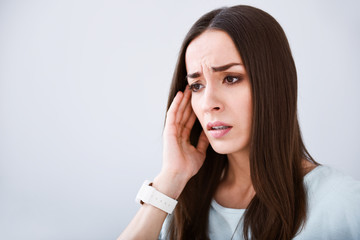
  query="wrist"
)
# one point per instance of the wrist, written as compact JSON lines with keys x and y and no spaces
{"x":170,"y":184}
{"x":149,"y":195}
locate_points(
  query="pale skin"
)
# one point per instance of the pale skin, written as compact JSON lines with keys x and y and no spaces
{"x":217,"y":94}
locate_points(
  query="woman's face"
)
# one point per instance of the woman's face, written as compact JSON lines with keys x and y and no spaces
{"x":221,"y":91}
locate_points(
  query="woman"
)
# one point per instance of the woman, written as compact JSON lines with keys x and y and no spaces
{"x":255,"y":180}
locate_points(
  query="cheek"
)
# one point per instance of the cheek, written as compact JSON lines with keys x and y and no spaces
{"x":248,"y":113}
{"x":243,"y":110}
{"x":194,"y":105}
{"x":249,"y":107}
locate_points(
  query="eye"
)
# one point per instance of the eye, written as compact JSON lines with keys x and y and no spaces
{"x":232,"y":79}
{"x":196,"y":87}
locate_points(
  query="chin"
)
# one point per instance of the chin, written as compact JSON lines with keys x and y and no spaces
{"x":228,"y":148}
{"x":223,"y":149}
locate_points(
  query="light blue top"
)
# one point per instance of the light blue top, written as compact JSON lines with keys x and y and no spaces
{"x":333,"y":210}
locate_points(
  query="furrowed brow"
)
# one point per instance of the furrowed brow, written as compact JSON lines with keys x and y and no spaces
{"x":224,"y":67}
{"x":215,"y":69}
{"x":193,"y":75}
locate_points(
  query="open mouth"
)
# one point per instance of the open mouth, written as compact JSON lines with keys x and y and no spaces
{"x":218,"y":129}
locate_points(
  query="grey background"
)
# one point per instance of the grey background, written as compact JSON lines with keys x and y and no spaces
{"x":83,"y":90}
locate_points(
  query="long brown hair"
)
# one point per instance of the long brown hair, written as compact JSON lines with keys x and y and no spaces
{"x":278,"y":209}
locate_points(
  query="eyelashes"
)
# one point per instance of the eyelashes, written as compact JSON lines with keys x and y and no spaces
{"x":228,"y":80}
{"x":195,"y":87}
{"x":232,"y":79}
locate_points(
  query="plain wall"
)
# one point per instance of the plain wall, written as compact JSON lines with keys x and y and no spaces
{"x":83,"y":91}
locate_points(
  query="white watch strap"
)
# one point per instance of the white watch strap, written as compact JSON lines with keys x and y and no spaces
{"x":150,"y":195}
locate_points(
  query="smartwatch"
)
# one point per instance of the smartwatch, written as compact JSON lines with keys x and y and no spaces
{"x":149,"y":195}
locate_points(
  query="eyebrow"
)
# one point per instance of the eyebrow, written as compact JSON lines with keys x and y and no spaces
{"x":215,"y":69}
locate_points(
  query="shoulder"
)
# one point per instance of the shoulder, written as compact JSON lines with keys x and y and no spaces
{"x":333,"y":200}
{"x":327,"y":184}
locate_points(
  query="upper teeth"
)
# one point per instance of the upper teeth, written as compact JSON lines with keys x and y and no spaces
{"x":219,"y":127}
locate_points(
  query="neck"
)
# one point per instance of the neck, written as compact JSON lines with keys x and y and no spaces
{"x":238,"y":173}
{"x":235,"y":189}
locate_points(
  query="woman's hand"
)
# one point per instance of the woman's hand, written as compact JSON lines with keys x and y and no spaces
{"x":181,"y":160}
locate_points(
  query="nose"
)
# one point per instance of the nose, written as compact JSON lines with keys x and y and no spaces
{"x":212,"y":99}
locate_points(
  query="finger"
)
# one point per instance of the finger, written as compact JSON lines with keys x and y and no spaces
{"x":171,"y":113}
{"x":183,"y":104}
{"x":203,"y":143}
{"x":188,"y":126}
{"x":184,"y":119}
{"x":187,"y":113}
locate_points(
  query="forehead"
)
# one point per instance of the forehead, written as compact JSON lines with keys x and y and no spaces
{"x":211,"y":48}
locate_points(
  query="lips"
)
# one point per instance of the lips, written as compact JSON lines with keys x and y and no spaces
{"x":218,"y":129}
